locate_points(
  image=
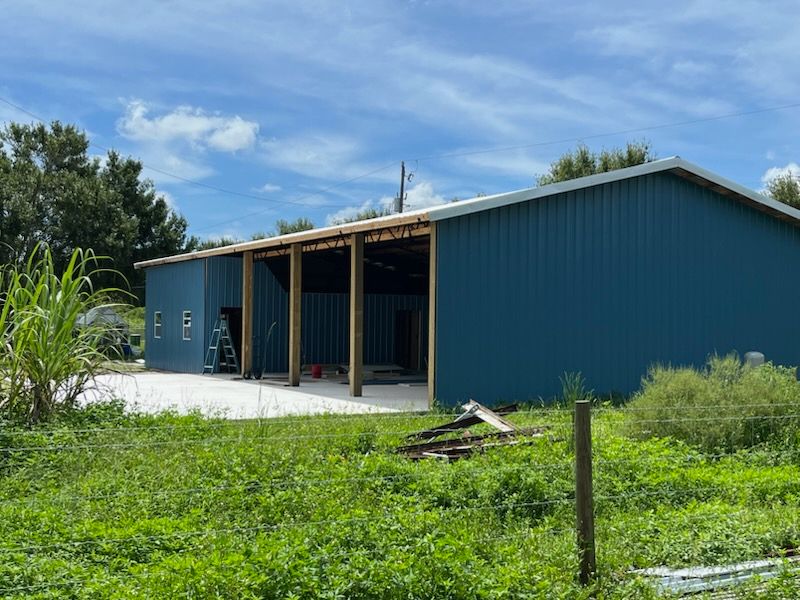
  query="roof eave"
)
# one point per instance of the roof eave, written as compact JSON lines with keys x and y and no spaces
{"x":377,"y":224}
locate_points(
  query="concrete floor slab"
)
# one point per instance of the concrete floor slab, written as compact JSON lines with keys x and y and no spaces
{"x":236,"y":398}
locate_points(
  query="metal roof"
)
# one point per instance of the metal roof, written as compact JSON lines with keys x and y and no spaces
{"x":675,"y":165}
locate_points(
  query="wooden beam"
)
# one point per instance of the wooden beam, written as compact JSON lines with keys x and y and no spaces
{"x":432,"y":318}
{"x":247,"y":312}
{"x":370,"y":225}
{"x":584,"y":499}
{"x":295,"y":303}
{"x":330,"y":243}
{"x":356,"y":313}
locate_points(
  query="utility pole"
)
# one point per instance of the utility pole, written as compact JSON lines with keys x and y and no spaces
{"x":398,"y":202}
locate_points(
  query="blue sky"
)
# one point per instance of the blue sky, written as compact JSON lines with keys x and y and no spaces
{"x":283,"y":100}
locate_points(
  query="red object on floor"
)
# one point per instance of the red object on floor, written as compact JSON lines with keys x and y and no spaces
{"x":316,"y":371}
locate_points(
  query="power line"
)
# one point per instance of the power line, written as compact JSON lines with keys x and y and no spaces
{"x":322,"y":191}
{"x":610,"y":133}
{"x":298,"y":202}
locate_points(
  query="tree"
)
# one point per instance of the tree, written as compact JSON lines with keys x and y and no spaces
{"x":363,"y":215}
{"x":210,"y":243}
{"x":52,"y":192}
{"x":784,"y":188}
{"x":282,"y":227}
{"x":300,"y":224}
{"x":582,"y":162}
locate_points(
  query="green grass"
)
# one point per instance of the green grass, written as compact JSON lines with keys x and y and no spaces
{"x":168,"y":506}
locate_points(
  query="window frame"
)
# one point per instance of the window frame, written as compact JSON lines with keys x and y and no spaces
{"x":187,"y":318}
{"x":158,"y":324}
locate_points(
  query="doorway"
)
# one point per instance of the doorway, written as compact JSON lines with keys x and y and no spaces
{"x":408,"y":339}
{"x":233,"y":315}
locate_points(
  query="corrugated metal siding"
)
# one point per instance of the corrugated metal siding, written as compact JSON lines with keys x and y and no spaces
{"x":379,"y":324}
{"x":172,"y":289}
{"x":325,"y":323}
{"x":607,"y":281}
{"x":271,"y":305}
{"x":223,"y":289}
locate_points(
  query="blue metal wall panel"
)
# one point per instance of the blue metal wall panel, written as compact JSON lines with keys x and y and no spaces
{"x":223,"y":285}
{"x":607,"y":281}
{"x":325,"y":324}
{"x":270,"y":317}
{"x":171,"y":289}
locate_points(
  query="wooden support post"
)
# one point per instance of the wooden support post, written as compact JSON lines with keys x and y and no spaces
{"x":432,"y":318}
{"x":356,"y":313}
{"x":584,"y":500}
{"x":295,"y":303}
{"x":247,"y":313}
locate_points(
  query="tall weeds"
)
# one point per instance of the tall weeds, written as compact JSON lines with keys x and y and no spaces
{"x":47,"y":359}
{"x":726,"y":406}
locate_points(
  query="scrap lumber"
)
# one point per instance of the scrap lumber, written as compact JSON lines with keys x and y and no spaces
{"x":490,"y":417}
{"x":462,"y":422}
{"x":454,"y":448}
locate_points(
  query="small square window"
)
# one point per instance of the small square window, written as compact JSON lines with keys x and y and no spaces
{"x":157,"y":325}
{"x":187,"y":325}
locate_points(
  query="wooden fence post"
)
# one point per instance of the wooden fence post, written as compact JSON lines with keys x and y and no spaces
{"x":584,"y":501}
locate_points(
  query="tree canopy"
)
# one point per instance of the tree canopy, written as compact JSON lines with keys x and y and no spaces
{"x":582,"y":162}
{"x":363,"y":215}
{"x":53,"y":192}
{"x":784,"y":188}
{"x":300,"y":224}
{"x":282,"y":227}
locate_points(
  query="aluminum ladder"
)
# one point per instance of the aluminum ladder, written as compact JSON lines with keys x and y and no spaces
{"x":220,"y":336}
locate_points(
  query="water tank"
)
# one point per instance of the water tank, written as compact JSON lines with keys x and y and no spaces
{"x":753,"y":359}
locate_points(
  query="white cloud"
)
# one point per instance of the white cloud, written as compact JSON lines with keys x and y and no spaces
{"x":321,"y":156}
{"x":347,"y":213}
{"x":421,"y":195}
{"x":269,"y":188}
{"x":792,"y":169}
{"x":185,"y":123}
{"x":168,"y":162}
{"x":515,"y":163}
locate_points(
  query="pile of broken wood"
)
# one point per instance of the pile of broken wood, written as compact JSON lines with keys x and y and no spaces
{"x":507,"y":434}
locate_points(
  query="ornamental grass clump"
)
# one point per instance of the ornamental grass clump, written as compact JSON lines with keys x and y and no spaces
{"x":726,"y":406}
{"x":48,"y":357}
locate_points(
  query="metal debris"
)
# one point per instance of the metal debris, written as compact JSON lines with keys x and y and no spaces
{"x":716,"y":581}
{"x":508,"y":434}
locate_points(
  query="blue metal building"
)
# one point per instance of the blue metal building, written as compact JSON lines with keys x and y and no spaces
{"x":606,"y":275}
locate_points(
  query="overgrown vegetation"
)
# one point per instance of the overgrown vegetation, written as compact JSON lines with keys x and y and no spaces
{"x":785,"y":188}
{"x":48,"y":357}
{"x":101,"y":504}
{"x":583,"y":162}
{"x":726,"y":406}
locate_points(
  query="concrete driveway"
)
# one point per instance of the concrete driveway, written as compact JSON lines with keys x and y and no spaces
{"x":236,"y":398}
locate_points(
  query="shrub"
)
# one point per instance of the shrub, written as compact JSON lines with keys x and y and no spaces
{"x":725,"y":406}
{"x":47,"y":360}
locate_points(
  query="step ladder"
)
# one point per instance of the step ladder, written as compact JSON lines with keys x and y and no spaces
{"x":221,"y":340}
